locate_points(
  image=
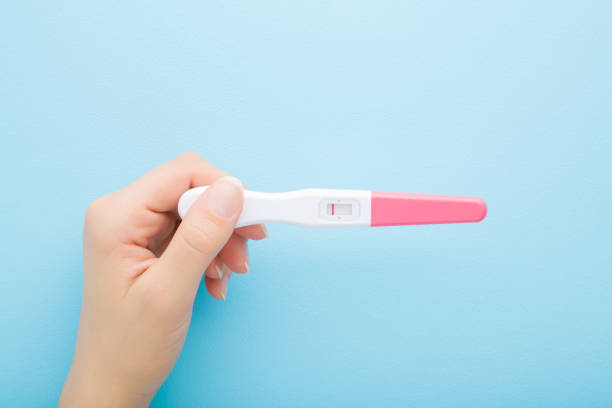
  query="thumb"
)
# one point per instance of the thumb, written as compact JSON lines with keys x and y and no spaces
{"x":203,"y":232}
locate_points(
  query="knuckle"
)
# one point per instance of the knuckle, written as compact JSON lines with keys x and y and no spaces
{"x":97,"y":214}
{"x":190,"y":157}
{"x":95,"y":209}
{"x":100,"y":219}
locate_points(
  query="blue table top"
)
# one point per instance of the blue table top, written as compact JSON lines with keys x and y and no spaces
{"x":509,"y":101}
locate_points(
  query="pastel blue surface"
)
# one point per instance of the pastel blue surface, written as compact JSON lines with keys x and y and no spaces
{"x":510,"y":101}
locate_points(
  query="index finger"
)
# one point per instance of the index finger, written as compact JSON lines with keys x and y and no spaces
{"x":160,"y":189}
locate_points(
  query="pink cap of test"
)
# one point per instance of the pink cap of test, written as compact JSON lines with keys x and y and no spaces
{"x":411,"y":209}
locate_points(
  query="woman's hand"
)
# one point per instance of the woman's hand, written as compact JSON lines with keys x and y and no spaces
{"x":142,"y":271}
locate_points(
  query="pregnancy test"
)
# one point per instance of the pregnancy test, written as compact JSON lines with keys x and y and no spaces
{"x":335,"y":208}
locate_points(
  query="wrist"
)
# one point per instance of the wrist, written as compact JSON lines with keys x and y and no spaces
{"x":88,"y":388}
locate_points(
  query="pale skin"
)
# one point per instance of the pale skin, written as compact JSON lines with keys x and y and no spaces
{"x":142,"y":270}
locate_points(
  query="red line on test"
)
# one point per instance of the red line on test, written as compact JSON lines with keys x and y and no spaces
{"x":332,"y":208}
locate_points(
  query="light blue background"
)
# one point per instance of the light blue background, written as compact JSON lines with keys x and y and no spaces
{"x":510,"y":101}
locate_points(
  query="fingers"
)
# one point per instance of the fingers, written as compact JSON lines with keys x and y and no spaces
{"x":160,"y":241}
{"x":203,"y":232}
{"x":218,"y":287}
{"x":232,"y":258}
{"x":215,"y":269}
{"x":160,"y":189}
{"x":255,"y":232}
{"x":148,"y":206}
{"x":235,"y":254}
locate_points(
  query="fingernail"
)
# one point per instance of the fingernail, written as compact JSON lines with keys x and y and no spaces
{"x":219,"y":271}
{"x":264,"y":230}
{"x":246,"y":266}
{"x":224,"y":197}
{"x":224,"y":282}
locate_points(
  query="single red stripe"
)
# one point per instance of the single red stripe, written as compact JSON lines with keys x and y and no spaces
{"x":332,"y":208}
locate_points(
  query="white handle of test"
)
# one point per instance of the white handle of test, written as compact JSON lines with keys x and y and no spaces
{"x":307,"y":207}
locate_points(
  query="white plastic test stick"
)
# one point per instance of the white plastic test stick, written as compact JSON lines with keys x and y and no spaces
{"x":335,"y":208}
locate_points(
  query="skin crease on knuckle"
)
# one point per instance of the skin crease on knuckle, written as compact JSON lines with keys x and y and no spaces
{"x":109,"y":220}
{"x":153,"y":226}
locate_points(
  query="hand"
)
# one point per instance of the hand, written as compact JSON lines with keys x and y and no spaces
{"x":142,"y":270}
